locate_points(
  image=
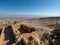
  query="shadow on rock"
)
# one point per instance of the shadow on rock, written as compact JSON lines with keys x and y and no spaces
{"x":9,"y":35}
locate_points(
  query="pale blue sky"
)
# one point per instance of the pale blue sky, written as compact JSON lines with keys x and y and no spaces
{"x":30,"y":7}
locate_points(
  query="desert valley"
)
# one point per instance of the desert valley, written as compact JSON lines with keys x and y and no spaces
{"x":43,"y":31}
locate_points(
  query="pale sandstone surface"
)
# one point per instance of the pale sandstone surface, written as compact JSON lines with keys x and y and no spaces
{"x":29,"y":32}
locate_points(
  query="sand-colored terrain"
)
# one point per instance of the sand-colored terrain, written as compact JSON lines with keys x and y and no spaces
{"x":43,"y":31}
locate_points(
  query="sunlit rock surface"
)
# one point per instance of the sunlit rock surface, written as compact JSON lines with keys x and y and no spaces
{"x":45,"y":31}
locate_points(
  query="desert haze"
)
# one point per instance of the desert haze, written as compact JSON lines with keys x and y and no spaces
{"x":43,"y":31}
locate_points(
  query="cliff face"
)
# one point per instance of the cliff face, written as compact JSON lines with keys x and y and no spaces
{"x":25,"y":32}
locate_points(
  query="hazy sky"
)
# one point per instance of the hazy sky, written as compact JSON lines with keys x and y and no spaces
{"x":30,"y":7}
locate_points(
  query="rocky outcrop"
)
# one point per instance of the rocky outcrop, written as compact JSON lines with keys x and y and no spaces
{"x":51,"y":39}
{"x":9,"y":34}
{"x":17,"y":33}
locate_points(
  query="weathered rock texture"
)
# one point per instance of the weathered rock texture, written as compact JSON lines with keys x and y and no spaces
{"x":29,"y":32}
